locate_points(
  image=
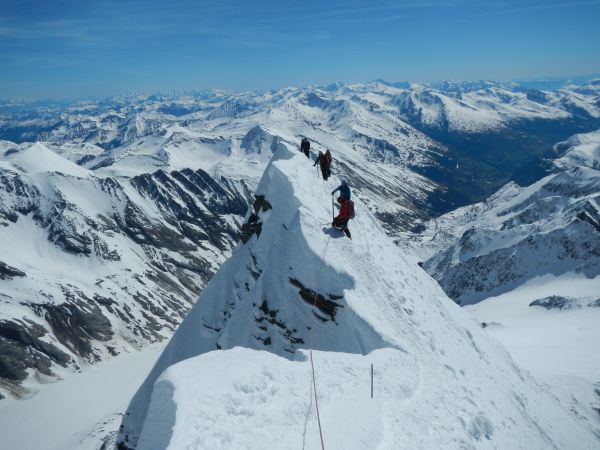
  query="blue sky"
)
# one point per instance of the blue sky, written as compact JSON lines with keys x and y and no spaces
{"x":75,"y":48}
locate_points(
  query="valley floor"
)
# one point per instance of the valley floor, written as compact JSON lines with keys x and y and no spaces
{"x":80,"y":411}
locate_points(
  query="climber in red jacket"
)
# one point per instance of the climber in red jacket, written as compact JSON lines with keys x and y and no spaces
{"x":346,"y":213}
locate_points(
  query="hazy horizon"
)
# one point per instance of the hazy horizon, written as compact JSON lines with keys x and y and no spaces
{"x":541,"y":82}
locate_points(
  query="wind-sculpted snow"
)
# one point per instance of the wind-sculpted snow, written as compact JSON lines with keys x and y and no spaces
{"x":439,"y":381}
{"x":93,"y":266}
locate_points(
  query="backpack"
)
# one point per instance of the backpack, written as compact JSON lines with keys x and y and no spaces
{"x":351,"y":213}
{"x":328,"y":157}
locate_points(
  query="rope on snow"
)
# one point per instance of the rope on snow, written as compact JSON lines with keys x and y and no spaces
{"x":312,"y":365}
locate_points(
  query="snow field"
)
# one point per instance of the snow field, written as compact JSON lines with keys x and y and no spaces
{"x":80,"y":411}
{"x":40,"y":159}
{"x":268,"y":403}
{"x":559,"y":347}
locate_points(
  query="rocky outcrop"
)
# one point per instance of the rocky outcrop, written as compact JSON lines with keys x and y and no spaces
{"x":21,"y":349}
{"x":325,"y":305}
{"x":560,"y":302}
{"x":253,"y":225}
{"x":550,"y":227}
{"x":8,"y":272}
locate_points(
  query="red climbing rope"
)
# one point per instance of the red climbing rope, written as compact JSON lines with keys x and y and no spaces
{"x":312,"y":365}
{"x":316,"y":401}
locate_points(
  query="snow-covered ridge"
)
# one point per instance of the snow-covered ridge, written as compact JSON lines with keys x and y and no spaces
{"x":295,"y":284}
{"x":162,"y":198}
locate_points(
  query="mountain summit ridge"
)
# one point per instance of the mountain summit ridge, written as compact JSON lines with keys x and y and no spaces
{"x":296,"y":284}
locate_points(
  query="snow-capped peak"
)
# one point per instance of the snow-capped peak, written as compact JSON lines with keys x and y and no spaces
{"x":38,"y":158}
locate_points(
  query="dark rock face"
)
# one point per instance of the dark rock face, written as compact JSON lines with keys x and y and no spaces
{"x":481,"y":276}
{"x":191,"y":226}
{"x":76,"y":326}
{"x":322,"y":303}
{"x":18,"y":197}
{"x":21,"y":348}
{"x":253,"y":226}
{"x":559,"y":302}
{"x":179,"y":195}
{"x":8,"y":272}
{"x":554,"y":302}
{"x":265,"y":316}
{"x":590,"y":213}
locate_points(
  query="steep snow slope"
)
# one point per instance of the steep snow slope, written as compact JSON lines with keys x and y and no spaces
{"x":296,"y":284}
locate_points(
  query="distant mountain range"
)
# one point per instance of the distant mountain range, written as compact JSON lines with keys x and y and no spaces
{"x":490,"y":130}
{"x":550,"y":227}
{"x":114,"y":214}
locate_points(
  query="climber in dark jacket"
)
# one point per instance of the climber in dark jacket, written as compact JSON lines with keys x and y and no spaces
{"x":305,"y":147}
{"x":341,"y":221}
{"x":328,"y":160}
{"x":322,"y":161}
{"x":344,"y":191}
